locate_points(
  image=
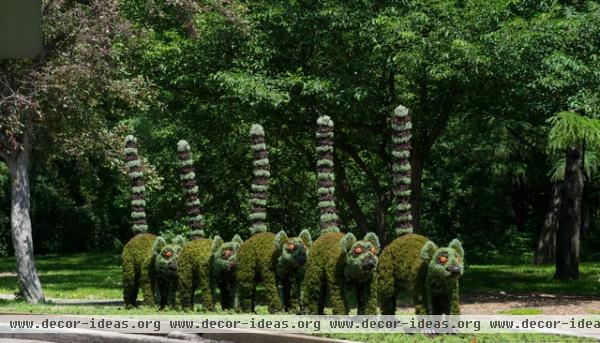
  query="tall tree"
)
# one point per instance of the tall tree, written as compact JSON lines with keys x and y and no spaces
{"x":61,"y":101}
{"x":570,"y":133}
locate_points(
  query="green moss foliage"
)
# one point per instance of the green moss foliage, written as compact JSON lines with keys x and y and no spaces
{"x":257,"y":259}
{"x":430,"y":274}
{"x":194,"y":273}
{"x":337,"y":265}
{"x":136,"y":271}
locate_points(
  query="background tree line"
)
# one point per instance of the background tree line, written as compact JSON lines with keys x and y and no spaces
{"x":486,"y":82}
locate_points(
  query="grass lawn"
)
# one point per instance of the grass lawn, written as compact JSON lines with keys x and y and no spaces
{"x":98,"y":276}
{"x":529,"y":278}
{"x":83,"y":276}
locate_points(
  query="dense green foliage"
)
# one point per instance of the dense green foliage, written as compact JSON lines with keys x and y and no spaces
{"x":481,"y":78}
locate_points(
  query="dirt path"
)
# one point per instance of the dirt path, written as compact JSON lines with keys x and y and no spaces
{"x":549,"y":304}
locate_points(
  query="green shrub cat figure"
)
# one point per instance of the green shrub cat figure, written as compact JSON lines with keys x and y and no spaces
{"x":290,"y":268}
{"x":138,"y":250}
{"x":339,"y":264}
{"x":429,"y":274}
{"x":165,"y":261}
{"x":266,"y":257}
{"x":205,"y":264}
{"x":273,"y":260}
{"x":412,"y":262}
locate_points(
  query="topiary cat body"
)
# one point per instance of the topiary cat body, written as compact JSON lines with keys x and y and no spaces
{"x":430,"y":274}
{"x":412,"y":262}
{"x":164,"y":262}
{"x":337,"y":265}
{"x":137,"y":272}
{"x":273,"y":260}
{"x":205,"y":265}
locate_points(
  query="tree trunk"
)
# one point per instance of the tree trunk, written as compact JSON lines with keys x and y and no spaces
{"x":569,"y":222}
{"x":417,"y":163}
{"x":545,"y":251}
{"x":27,"y":278}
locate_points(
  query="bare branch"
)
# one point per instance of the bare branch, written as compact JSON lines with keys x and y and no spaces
{"x":362,"y":165}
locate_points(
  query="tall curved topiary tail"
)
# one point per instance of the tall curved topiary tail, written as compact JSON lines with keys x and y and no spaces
{"x":401,"y":135}
{"x":136,"y":174}
{"x":260,"y":183}
{"x":190,"y":188}
{"x":328,"y":212}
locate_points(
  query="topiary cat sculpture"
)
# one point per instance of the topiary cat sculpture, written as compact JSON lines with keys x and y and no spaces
{"x":136,"y":273}
{"x":412,"y":262}
{"x":266,"y":257}
{"x":165,"y":261}
{"x":430,"y":274}
{"x":338,"y":263}
{"x":205,"y":265}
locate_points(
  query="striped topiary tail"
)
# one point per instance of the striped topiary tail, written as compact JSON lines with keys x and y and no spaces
{"x":190,"y":188}
{"x":401,"y":135}
{"x":136,"y":174}
{"x":326,"y":191}
{"x":260,"y":183}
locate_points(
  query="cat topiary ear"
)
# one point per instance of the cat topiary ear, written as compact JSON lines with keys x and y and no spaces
{"x":427,"y":251}
{"x":306,"y":238}
{"x":159,"y":243}
{"x":455,"y":244}
{"x":216,"y":244}
{"x":372,"y":238}
{"x":280,"y":239}
{"x":179,"y":240}
{"x":347,"y":241}
{"x":237,"y":239}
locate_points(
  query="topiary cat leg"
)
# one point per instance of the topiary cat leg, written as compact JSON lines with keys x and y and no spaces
{"x":271,"y":292}
{"x":204,"y":287}
{"x":337,"y":292}
{"x":245,"y":285}
{"x":370,"y":297}
{"x":420,"y":301}
{"x":295,"y":291}
{"x":286,"y":293}
{"x":455,"y":300}
{"x":227,"y":295}
{"x":185,"y":288}
{"x":148,"y":283}
{"x":131,"y":281}
{"x":312,"y":290}
{"x":386,"y":286}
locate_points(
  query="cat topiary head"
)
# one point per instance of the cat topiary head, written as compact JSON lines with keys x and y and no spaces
{"x":443,"y":264}
{"x":360,"y":256}
{"x":225,"y":254}
{"x":294,"y":250}
{"x":166,"y":255}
